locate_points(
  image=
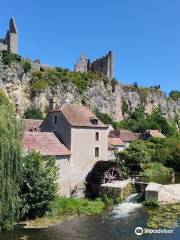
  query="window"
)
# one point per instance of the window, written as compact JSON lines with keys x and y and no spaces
{"x":55,"y":119}
{"x":96,"y":152}
{"x":97,"y":136}
{"x":94,"y":120}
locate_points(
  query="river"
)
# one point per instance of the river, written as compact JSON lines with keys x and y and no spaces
{"x":119,"y":223}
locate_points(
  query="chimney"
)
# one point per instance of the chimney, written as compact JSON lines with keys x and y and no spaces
{"x":52,"y":104}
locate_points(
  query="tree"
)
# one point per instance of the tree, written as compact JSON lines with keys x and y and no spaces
{"x":10,"y":164}
{"x":39,"y":184}
{"x":33,"y":113}
{"x":136,"y":154}
{"x":104,"y":117}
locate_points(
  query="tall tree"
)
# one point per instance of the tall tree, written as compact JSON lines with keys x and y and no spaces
{"x":10,"y":164}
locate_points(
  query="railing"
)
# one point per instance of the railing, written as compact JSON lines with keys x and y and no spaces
{"x":139,"y":179}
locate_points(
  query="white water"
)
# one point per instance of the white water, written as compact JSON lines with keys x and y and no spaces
{"x":124,"y":209}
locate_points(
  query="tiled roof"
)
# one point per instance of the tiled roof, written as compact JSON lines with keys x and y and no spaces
{"x":156,"y":133}
{"x":81,"y":116}
{"x":32,"y":124}
{"x":44,"y":142}
{"x":114,"y":142}
{"x":128,"y":136}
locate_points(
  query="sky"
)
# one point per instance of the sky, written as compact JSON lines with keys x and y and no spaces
{"x":143,"y":35}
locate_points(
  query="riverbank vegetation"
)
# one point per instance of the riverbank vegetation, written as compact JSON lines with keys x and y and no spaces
{"x":155,"y":157}
{"x":10,"y":164}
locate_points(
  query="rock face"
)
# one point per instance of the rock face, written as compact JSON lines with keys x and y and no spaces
{"x":16,"y":83}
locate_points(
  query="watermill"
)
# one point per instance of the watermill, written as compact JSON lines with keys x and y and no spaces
{"x":102,"y":172}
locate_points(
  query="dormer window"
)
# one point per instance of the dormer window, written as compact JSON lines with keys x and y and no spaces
{"x":55,"y":119}
{"x":94,"y":120}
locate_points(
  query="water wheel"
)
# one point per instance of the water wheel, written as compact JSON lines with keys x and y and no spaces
{"x":111,"y":174}
{"x":102,"y":172}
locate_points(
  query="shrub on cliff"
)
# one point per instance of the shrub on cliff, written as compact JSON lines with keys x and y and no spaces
{"x":175,"y":95}
{"x":26,"y":65}
{"x":54,"y":77}
{"x":33,"y":113}
{"x":8,"y":57}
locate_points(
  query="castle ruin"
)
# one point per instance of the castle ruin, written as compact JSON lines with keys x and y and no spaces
{"x":103,"y":65}
{"x":10,"y":42}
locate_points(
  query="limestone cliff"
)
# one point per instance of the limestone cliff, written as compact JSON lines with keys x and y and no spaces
{"x":105,"y":97}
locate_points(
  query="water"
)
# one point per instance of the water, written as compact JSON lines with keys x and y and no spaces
{"x":118,"y":223}
{"x":123,"y":210}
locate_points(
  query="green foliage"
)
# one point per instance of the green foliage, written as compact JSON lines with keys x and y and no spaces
{"x":8,"y":57}
{"x":151,"y":203}
{"x":104,"y":117}
{"x":63,"y":206}
{"x":136,"y":154}
{"x":152,"y":156}
{"x":138,"y":122}
{"x":39,"y":184}
{"x":10,"y":165}
{"x":54,"y":77}
{"x":26,"y":65}
{"x":155,"y":170}
{"x":124,"y":108}
{"x":175,"y":95}
{"x":3,"y":99}
{"x":33,"y":113}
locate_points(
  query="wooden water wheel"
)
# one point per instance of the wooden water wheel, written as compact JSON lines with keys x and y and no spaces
{"x":111,"y":175}
{"x":102,"y":172}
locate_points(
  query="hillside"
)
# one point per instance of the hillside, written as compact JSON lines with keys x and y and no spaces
{"x":27,"y":87}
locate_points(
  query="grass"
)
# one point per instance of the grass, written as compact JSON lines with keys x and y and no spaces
{"x":65,"y":206}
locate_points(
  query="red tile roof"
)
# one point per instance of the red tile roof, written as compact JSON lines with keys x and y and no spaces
{"x":128,"y":136}
{"x":44,"y":142}
{"x":32,"y":124}
{"x":81,"y":116}
{"x":115,"y":141}
{"x":156,"y":133}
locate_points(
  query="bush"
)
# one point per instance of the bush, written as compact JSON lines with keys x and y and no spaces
{"x":151,"y":203}
{"x":155,"y":169}
{"x":33,"y":113}
{"x":26,"y":65}
{"x":8,"y":57}
{"x":38,"y":87}
{"x":175,"y":95}
{"x":104,"y":117}
{"x":39,"y":184}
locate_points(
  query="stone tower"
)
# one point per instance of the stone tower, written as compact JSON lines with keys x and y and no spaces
{"x":10,"y":43}
{"x":82,"y":64}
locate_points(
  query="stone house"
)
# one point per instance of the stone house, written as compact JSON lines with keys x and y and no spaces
{"x":114,"y":144}
{"x":81,"y":140}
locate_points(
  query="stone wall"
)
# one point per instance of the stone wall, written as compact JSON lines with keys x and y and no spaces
{"x":104,"y":65}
